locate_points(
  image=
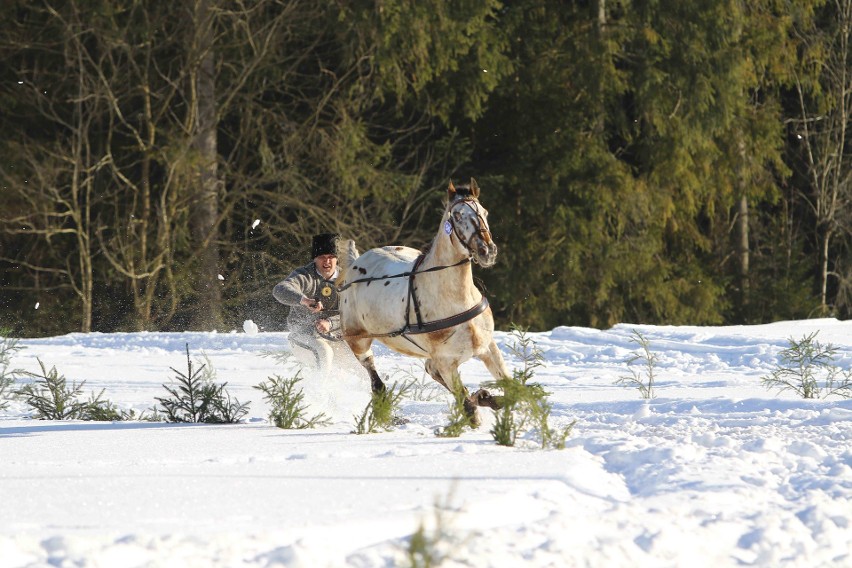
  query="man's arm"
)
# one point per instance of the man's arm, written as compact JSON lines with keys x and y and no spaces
{"x":291,"y":290}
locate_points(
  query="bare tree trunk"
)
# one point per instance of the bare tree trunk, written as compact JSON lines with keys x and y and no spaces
{"x":743,"y":245}
{"x":81,"y":191}
{"x":823,"y":132}
{"x":741,"y":228}
{"x":824,"y":273}
{"x":204,"y":209}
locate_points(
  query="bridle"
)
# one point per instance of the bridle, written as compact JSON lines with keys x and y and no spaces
{"x":483,"y":233}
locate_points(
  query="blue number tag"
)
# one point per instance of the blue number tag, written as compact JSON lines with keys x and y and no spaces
{"x":448,"y":228}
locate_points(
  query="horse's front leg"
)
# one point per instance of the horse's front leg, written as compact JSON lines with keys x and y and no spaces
{"x":494,"y":362}
{"x":496,"y":365}
{"x":433,"y":372}
{"x":362,"y":351}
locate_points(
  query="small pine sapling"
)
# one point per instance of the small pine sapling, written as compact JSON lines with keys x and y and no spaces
{"x":8,"y":347}
{"x":506,"y":426}
{"x":524,"y":403}
{"x":649,"y":360}
{"x":102,"y":410}
{"x":287,"y":407}
{"x":51,"y":397}
{"x":381,"y":413}
{"x":432,"y":548}
{"x":196,"y":398}
{"x":365,"y":423}
{"x":226,"y":410}
{"x":803,"y":365}
{"x":459,"y":419}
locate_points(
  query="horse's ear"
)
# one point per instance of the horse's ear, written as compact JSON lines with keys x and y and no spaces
{"x":451,"y":191}
{"x":474,"y":188}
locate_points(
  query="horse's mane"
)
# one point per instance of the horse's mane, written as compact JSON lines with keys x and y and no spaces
{"x":346,"y":255}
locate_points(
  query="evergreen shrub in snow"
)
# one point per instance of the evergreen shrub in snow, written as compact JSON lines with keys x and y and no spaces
{"x":381,"y":412}
{"x":524,"y":404}
{"x":53,"y":399}
{"x":197,"y":398}
{"x":432,"y":547}
{"x":645,"y":383}
{"x":458,"y":416}
{"x":287,"y":407}
{"x":8,"y":347}
{"x":807,"y":368}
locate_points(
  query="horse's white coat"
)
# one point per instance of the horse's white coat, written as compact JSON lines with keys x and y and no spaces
{"x":372,"y":309}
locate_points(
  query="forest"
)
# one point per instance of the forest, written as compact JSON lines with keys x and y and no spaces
{"x":164,"y":164}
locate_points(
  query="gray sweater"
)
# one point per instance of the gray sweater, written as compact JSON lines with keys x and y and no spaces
{"x":306,"y":282}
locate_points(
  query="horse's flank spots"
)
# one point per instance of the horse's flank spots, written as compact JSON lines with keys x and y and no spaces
{"x":387,"y":282}
{"x":361,"y":270}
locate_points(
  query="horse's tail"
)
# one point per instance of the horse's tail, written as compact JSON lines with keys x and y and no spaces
{"x":346,"y":255}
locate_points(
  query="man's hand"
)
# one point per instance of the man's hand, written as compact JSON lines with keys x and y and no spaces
{"x":323,"y":326}
{"x":313,"y":305}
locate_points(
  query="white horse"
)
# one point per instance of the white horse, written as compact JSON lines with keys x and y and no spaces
{"x":425,"y":304}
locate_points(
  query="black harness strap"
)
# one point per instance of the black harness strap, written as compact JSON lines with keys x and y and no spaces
{"x":436,"y":325}
{"x":428,"y":327}
{"x":451,"y":321}
{"x":412,"y":295}
{"x":421,"y":327}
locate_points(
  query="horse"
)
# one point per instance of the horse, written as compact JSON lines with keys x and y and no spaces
{"x":425,"y":304}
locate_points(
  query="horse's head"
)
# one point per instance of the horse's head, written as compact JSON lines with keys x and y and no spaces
{"x":467,"y":220}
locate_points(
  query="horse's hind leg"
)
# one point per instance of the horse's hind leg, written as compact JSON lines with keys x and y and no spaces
{"x":362,"y":351}
{"x":455,"y":385}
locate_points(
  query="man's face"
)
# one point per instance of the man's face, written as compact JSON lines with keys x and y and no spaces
{"x":326,"y":265}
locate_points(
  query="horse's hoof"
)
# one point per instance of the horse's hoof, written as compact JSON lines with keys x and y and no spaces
{"x":484,"y":398}
{"x":378,"y":386}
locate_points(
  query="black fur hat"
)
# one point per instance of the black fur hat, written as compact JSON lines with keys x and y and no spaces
{"x":326,"y":243}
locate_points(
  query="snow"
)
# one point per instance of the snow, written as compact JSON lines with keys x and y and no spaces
{"x":250,"y":327}
{"x":715,"y":471}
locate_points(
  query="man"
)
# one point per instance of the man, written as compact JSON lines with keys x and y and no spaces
{"x":312,"y":297}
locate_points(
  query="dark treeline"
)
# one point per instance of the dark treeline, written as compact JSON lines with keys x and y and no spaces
{"x":164,"y":164}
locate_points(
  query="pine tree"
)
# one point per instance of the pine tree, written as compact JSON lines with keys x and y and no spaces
{"x":9,"y":346}
{"x":197,"y":398}
{"x":287,"y":406}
